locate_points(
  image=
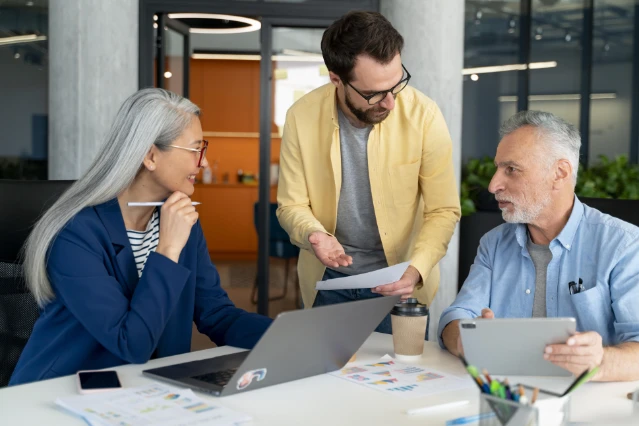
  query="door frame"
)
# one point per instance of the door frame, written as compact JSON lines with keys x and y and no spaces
{"x":160,"y":49}
{"x":316,"y":14}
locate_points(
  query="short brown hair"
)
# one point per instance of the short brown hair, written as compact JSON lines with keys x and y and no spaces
{"x":357,"y":33}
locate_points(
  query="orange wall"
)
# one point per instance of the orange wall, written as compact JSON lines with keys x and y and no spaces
{"x":226,"y":214}
{"x":238,"y":153}
{"x":228,"y":94}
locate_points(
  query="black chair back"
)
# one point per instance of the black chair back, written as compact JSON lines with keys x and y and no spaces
{"x":279,"y":242}
{"x":625,"y":210}
{"x":23,"y":202}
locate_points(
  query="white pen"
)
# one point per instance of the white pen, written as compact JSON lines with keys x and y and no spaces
{"x":436,"y":407}
{"x":154,"y":203}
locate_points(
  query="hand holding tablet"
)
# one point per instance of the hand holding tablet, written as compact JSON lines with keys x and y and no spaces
{"x":515,"y":346}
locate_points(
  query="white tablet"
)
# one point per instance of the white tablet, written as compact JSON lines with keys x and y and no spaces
{"x":514,"y":346}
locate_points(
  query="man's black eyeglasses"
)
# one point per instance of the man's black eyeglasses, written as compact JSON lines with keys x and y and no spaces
{"x":377,"y":97}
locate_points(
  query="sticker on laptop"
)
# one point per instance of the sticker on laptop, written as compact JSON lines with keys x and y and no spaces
{"x":247,"y":378}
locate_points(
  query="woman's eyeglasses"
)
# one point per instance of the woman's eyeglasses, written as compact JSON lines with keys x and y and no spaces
{"x":201,"y":150}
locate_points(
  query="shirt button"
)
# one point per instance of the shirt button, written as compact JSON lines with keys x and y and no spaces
{"x":567,"y":245}
{"x":527,"y":291}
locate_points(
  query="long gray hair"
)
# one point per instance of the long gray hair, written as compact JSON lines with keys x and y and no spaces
{"x":148,"y":117}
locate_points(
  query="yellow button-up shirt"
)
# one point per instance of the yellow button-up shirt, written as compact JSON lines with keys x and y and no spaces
{"x":411,"y":177}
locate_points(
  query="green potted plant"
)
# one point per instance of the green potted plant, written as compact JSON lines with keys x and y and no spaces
{"x":608,"y":178}
{"x":476,"y":176}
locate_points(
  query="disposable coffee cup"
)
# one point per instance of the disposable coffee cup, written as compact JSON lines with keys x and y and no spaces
{"x":409,"y":330}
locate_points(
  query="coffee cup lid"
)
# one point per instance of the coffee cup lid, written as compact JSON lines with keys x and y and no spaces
{"x":410,"y":308}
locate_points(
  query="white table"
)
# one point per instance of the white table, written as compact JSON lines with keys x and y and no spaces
{"x":322,"y":400}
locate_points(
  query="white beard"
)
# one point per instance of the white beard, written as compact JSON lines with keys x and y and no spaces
{"x":525,"y":214}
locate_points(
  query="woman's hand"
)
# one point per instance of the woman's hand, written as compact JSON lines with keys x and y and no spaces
{"x":177,"y":218}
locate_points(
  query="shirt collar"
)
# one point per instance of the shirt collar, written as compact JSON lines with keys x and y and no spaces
{"x":567,"y":234}
{"x":332,"y":96}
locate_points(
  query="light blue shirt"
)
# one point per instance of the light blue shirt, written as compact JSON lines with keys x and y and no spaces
{"x":601,"y":250}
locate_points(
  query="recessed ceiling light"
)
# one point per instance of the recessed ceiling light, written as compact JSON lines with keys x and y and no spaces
{"x":252,"y":24}
{"x":510,"y":67}
{"x":27,"y":38}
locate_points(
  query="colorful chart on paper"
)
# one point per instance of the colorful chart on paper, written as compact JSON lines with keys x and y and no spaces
{"x":408,"y":381}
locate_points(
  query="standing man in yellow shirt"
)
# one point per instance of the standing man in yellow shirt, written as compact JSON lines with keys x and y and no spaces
{"x":366,"y":173}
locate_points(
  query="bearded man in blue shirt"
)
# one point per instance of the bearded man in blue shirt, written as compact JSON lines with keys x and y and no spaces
{"x":524,"y":267}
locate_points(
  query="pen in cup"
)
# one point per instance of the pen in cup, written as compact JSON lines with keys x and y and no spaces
{"x":154,"y":203}
{"x":509,"y":394}
{"x":534,"y":396}
{"x":472,"y":370}
{"x":522,"y":396}
{"x":486,"y":375}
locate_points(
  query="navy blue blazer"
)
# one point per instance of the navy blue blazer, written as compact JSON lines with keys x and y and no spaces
{"x":103,"y":315}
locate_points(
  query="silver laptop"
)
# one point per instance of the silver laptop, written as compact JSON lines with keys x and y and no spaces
{"x":297,"y":345}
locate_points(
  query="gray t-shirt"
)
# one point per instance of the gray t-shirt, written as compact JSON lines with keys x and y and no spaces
{"x":541,"y":257}
{"x":356,"y":226}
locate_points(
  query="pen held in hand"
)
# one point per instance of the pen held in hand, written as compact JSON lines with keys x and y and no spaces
{"x":154,"y":203}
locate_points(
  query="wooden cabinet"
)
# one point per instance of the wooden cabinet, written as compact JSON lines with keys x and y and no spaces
{"x":226,"y":214}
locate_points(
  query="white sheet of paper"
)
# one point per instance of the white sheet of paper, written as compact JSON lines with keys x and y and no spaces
{"x":367,"y":280}
{"x":153,"y":404}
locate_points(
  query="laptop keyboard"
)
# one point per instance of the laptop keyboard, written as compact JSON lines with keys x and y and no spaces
{"x":219,"y":378}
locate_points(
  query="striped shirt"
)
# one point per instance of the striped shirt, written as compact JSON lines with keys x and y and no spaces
{"x":145,"y":242}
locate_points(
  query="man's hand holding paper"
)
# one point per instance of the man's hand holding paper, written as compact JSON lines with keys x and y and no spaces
{"x":404,"y":286}
{"x":385,"y":276}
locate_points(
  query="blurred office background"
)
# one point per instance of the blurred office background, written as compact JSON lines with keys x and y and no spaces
{"x":66,"y":65}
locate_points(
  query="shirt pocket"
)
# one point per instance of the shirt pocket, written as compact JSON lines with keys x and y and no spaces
{"x":405,"y":183}
{"x":589,"y":310}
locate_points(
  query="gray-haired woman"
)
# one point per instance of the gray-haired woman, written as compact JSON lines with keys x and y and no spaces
{"x":120,"y":284}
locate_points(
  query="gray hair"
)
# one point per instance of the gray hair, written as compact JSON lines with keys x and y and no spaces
{"x":148,"y":117}
{"x":561,"y":138}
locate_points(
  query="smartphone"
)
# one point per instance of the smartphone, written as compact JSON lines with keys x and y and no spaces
{"x":98,"y":381}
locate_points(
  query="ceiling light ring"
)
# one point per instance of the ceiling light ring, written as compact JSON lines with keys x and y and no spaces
{"x":253,"y":24}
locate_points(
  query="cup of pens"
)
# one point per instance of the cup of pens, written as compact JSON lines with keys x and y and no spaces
{"x":546,"y":410}
{"x":502,"y":403}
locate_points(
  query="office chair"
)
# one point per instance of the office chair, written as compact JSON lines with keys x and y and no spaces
{"x":621,"y":209}
{"x":23,"y":202}
{"x":280,"y":246}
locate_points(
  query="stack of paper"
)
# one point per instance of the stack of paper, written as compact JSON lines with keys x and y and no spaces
{"x":153,"y":404}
